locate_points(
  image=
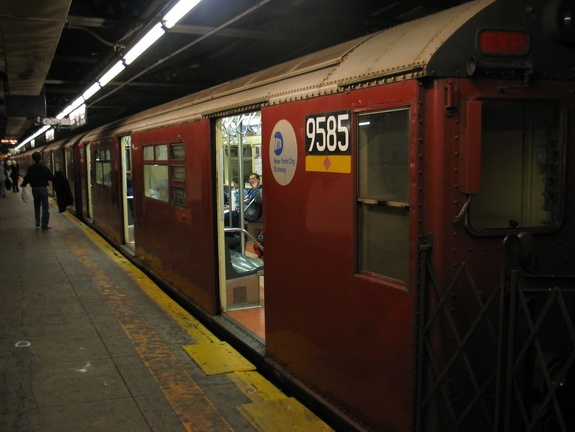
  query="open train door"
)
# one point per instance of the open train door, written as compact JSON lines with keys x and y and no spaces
{"x":127,"y":191}
{"x":89,"y":182}
{"x":238,"y":151}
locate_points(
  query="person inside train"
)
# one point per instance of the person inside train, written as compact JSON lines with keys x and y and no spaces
{"x":38,"y":176}
{"x":252,"y":202}
{"x":253,"y":206}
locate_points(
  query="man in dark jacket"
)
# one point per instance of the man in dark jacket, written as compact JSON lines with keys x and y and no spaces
{"x":38,"y":176}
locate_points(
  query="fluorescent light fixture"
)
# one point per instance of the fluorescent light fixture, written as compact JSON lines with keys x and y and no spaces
{"x":91,"y":91}
{"x":178,"y":11}
{"x":66,"y":111}
{"x":112,"y":73}
{"x":31,"y":137}
{"x":77,"y":103}
{"x":170,"y":19}
{"x":152,"y":36}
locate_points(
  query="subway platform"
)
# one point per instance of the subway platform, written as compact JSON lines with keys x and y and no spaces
{"x":89,"y":343}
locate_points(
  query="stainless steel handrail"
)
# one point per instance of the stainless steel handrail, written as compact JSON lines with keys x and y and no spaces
{"x":244,"y":231}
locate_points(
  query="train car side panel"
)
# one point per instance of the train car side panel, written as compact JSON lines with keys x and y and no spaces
{"x":521,"y":139}
{"x":323,"y":318}
{"x":175,"y":233}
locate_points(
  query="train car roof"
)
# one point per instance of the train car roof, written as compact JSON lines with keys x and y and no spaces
{"x":403,"y":51}
{"x":409,"y":50}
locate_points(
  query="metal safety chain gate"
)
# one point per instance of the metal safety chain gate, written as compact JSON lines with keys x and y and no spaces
{"x":537,"y":386}
{"x":473,"y":377}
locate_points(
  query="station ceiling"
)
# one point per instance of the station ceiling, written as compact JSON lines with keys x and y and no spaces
{"x":55,"y":49}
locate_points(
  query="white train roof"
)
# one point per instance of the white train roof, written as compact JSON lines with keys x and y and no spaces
{"x":393,"y":54}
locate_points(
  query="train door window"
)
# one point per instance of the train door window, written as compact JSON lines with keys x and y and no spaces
{"x":57,"y":166}
{"x":149,"y":153}
{"x":521,"y":166}
{"x":156,"y":172}
{"x":103,"y":165}
{"x":48,"y":162}
{"x":383,"y":188}
{"x":240,"y":136}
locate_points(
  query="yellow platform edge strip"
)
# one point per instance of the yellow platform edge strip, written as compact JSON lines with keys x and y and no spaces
{"x":218,"y":358}
{"x":282,"y":415}
{"x":256,"y":387}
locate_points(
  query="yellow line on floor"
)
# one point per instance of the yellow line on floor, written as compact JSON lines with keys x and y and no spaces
{"x":282,"y":415}
{"x":218,"y":358}
{"x":256,"y":387}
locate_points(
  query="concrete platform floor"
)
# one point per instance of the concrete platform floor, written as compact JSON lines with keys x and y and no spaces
{"x":88,"y":343}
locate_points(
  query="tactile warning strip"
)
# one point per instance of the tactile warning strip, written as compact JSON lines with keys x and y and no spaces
{"x":218,"y":358}
{"x":282,"y":415}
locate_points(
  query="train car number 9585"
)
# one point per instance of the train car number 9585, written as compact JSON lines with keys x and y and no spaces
{"x":328,"y":133}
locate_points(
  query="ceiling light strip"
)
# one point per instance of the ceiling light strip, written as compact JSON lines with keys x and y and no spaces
{"x":171,"y":18}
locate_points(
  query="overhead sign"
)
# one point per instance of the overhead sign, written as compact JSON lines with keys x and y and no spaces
{"x":50,"y":121}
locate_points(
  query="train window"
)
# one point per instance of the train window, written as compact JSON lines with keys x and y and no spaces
{"x":103,"y":167}
{"x":161,"y":152}
{"x":177,"y":152}
{"x":149,"y":153}
{"x":156,"y":174}
{"x":521,"y":166}
{"x":178,"y":173}
{"x":156,"y":182}
{"x":179,"y":195}
{"x":383,"y":187}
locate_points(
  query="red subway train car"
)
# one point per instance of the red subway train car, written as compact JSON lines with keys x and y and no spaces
{"x":418,"y":217}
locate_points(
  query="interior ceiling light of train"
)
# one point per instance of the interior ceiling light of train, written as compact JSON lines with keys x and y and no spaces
{"x":71,"y":44}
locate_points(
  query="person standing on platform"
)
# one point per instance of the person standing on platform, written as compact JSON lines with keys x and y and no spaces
{"x":15,"y":176}
{"x":3,"y":178}
{"x":38,"y":176}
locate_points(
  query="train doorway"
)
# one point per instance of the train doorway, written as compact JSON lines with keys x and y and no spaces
{"x":240,"y":220}
{"x":127,"y":191}
{"x":89,"y":180}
